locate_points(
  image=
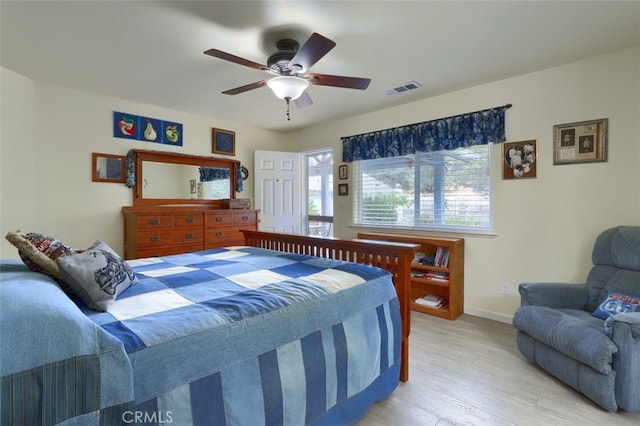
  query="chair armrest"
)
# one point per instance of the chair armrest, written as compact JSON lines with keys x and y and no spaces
{"x":628,"y":324}
{"x":624,"y":330}
{"x":554,"y":295}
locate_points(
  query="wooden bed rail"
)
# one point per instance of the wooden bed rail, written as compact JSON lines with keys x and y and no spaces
{"x":394,"y":257}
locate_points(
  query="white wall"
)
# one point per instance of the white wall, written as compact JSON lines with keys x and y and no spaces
{"x":545,"y":227}
{"x":47,"y":136}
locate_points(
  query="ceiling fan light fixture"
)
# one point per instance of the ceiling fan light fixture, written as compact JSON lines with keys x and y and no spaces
{"x":288,"y":87}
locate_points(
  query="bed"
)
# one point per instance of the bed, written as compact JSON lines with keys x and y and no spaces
{"x":286,"y":330}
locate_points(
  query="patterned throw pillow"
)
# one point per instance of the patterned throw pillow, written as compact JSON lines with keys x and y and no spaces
{"x":39,"y":252}
{"x":617,"y":303}
{"x":97,"y":275}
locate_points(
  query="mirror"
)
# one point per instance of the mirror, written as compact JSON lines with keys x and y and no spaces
{"x":107,"y":168}
{"x":167,"y":180}
{"x":170,"y":178}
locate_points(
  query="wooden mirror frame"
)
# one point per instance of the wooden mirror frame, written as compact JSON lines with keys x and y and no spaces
{"x":175,"y":158}
{"x":97,"y":174}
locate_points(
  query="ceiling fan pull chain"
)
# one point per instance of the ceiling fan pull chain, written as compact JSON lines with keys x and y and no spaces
{"x":288,"y":109}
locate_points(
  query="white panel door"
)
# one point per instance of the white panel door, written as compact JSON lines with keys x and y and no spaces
{"x":277,"y":191}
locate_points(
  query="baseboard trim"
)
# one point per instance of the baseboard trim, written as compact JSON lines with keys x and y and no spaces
{"x":508,"y":319}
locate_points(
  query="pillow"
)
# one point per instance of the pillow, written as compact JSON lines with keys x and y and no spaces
{"x":97,"y":275}
{"x":39,"y":252}
{"x":617,"y":303}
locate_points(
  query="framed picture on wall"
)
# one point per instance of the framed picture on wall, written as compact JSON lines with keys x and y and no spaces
{"x":343,"y":189}
{"x":343,"y":172}
{"x":580,"y":142}
{"x":223,"y":142}
{"x":519,"y":159}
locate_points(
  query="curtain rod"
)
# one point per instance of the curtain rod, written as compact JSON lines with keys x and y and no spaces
{"x":506,"y":106}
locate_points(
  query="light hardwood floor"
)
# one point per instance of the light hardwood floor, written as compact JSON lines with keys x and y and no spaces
{"x":470,"y":372}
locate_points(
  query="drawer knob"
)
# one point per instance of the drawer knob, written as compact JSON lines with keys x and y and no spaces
{"x":219,"y":234}
{"x":218,"y":218}
{"x":245,"y":218}
{"x":154,"y":221}
{"x":189,"y":236}
{"x":155,"y":238}
{"x":189,"y":220}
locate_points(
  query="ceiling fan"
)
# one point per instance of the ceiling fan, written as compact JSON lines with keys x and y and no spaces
{"x":290,"y":66}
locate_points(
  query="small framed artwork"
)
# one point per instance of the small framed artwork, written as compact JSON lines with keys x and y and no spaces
{"x":125,"y":125}
{"x":343,"y":172}
{"x":192,"y":186}
{"x":580,"y":142}
{"x":223,"y":142}
{"x":171,"y":133}
{"x":519,"y":159}
{"x":107,"y":168}
{"x":151,"y":129}
{"x":343,"y":189}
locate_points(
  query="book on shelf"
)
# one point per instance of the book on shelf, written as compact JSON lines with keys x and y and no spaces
{"x":437,"y":276}
{"x":430,"y":300}
{"x":431,"y":275}
{"x":442,"y":257}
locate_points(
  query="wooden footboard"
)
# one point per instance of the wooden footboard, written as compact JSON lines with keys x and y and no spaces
{"x":394,"y":257}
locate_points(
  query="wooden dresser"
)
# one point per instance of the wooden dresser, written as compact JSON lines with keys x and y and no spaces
{"x":164,"y":230}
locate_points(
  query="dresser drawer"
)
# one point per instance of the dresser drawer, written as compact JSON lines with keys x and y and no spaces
{"x":219,"y":219}
{"x":160,"y":238}
{"x":240,"y":218}
{"x":186,"y":220}
{"x":155,"y":221}
{"x":224,"y":234}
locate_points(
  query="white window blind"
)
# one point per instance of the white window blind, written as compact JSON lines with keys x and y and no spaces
{"x":436,"y":190}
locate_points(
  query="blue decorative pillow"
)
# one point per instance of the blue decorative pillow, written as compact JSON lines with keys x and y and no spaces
{"x":98,"y":275}
{"x":617,"y":303}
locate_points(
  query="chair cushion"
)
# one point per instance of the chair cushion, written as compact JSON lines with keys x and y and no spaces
{"x":619,"y":247}
{"x":616,"y":259}
{"x":577,"y":334}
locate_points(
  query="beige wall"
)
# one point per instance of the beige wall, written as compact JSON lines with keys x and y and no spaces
{"x":544,"y":227}
{"x":47,"y":136}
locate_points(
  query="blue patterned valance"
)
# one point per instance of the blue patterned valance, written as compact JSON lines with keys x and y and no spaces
{"x":208,"y":174}
{"x":476,"y":128}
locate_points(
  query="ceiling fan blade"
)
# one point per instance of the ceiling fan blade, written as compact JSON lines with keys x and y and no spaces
{"x":338,"y":81}
{"x":245,"y":88}
{"x":236,"y":59}
{"x":304,"y":100}
{"x":311,"y":52}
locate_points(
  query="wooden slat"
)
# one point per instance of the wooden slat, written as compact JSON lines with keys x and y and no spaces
{"x":394,"y":257}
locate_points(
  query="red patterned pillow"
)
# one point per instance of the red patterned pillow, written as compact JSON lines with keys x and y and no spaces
{"x":39,"y":252}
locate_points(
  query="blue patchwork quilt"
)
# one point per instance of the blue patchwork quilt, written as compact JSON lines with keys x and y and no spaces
{"x":247,"y":336}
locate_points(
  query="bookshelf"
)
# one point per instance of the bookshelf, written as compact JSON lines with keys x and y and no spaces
{"x":440,"y":276}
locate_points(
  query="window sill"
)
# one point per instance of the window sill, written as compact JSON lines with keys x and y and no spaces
{"x":443,"y":232}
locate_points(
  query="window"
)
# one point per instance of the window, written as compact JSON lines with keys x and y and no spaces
{"x":446,"y":190}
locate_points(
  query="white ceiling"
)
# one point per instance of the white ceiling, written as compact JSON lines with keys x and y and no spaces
{"x":152,"y":52}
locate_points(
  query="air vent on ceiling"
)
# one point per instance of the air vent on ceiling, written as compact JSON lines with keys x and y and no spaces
{"x":404,"y":88}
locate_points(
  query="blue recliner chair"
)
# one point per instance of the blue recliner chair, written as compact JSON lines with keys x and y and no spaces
{"x":588,"y":335}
